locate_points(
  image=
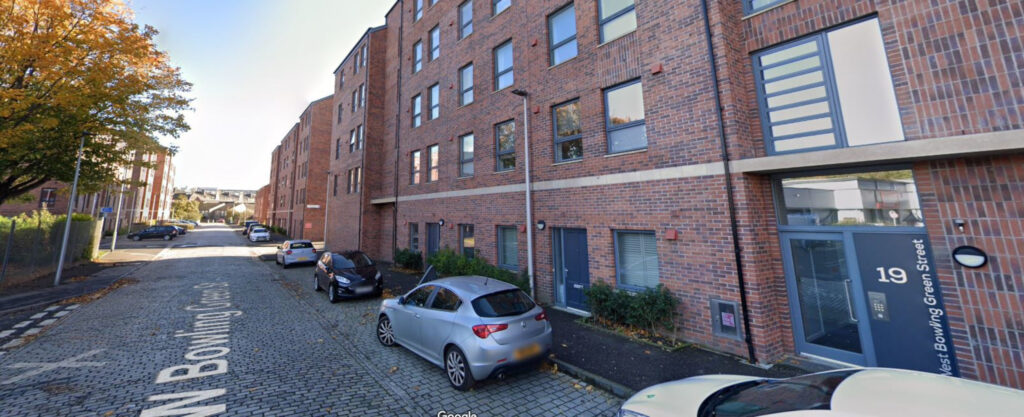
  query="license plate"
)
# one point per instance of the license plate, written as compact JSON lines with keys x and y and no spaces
{"x":363,"y":290}
{"x":527,"y":351}
{"x":302,"y":258}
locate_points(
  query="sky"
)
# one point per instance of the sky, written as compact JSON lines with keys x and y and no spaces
{"x":255,"y":65}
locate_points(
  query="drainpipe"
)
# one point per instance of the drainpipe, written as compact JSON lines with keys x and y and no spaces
{"x":737,"y":254}
{"x":398,"y":128}
{"x":529,"y":186}
{"x":362,"y":148}
{"x":327,"y":205}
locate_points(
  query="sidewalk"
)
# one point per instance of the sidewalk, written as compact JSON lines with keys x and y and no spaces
{"x":620,"y":365}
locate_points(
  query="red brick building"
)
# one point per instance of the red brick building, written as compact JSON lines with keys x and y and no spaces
{"x":299,"y":173}
{"x":799,"y":179}
{"x":262,"y":211}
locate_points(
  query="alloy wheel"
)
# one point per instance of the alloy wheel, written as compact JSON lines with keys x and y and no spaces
{"x":385,"y":335}
{"x":456,"y":368}
{"x":332,"y":293}
{"x":316,"y":284}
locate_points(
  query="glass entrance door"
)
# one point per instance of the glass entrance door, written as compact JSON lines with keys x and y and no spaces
{"x":824,"y":297}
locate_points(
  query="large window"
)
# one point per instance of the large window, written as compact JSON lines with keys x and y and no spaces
{"x":417,"y":56}
{"x":829,"y":90}
{"x":414,"y":237}
{"x":466,"y":85}
{"x":618,"y":17}
{"x":624,"y":117}
{"x":337,"y":148}
{"x":636,"y":259}
{"x":465,"y":19}
{"x":417,"y":13}
{"x":432,"y":162}
{"x":435,"y":43}
{"x":362,"y":95}
{"x":503,"y":76}
{"x":505,"y":149}
{"x":879,"y":198}
{"x":414,"y":178}
{"x":466,"y":155}
{"x":358,"y":179}
{"x":435,"y":102}
{"x":508,"y":248}
{"x":467,"y":243}
{"x":568,"y":131}
{"x":352,"y":141}
{"x":363,"y":56}
{"x":417,"y":111}
{"x":355,"y":100}
{"x":335,"y":187}
{"x":340,"y":110}
{"x":562,"y":35}
{"x":362,"y":137}
{"x":754,"y":6}
{"x":499,"y":6}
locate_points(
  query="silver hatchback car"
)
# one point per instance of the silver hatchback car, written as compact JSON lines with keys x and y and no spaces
{"x":295,"y":251}
{"x":474,"y":327}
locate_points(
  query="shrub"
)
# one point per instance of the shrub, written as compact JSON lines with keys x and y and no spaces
{"x":447,"y":262}
{"x":409,"y":259}
{"x":647,"y":309}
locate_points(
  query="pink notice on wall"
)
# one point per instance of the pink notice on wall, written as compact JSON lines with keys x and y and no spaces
{"x":309,"y":225}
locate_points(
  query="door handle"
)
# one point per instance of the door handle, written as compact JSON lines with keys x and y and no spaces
{"x":577,"y":286}
{"x":849,"y":302}
{"x":417,"y":315}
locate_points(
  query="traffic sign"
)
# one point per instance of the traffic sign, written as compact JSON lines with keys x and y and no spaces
{"x":106,"y":209}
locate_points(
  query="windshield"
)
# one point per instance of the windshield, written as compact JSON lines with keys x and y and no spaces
{"x":301,"y":245}
{"x":503,"y":304}
{"x":758,"y":398}
{"x":340,"y":262}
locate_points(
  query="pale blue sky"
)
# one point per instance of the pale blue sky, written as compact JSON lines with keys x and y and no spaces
{"x":255,"y":65}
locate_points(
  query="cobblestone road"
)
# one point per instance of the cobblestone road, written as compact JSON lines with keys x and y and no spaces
{"x":141,"y":350}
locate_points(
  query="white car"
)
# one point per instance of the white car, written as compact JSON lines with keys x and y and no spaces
{"x":295,"y":251}
{"x":259,"y":234}
{"x":860,"y":392}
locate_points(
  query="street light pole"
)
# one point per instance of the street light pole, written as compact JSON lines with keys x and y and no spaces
{"x":117,"y":218}
{"x":67,"y":222}
{"x":529,"y":189}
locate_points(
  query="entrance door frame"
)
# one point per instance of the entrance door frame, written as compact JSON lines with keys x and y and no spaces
{"x":558,"y":265}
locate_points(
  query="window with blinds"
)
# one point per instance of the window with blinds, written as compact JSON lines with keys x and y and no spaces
{"x":636,"y":259}
{"x":508,"y":248}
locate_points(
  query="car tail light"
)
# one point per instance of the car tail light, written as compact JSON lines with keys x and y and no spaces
{"x":289,"y":252}
{"x":542,"y":316}
{"x":484,"y":330}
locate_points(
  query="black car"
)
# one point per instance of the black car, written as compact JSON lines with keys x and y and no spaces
{"x":347,"y":274}
{"x":155,"y":232}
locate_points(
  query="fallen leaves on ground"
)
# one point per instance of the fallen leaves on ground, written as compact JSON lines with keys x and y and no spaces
{"x":393,"y":370}
{"x":96,"y":295}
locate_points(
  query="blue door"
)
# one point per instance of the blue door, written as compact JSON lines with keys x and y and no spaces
{"x":433,"y":238}
{"x":572,"y":267}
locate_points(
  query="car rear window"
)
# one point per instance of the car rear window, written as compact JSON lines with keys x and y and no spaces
{"x":259,"y":230}
{"x":301,"y":245}
{"x":503,"y":304}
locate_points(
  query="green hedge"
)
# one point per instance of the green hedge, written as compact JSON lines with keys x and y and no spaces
{"x":409,"y":259}
{"x":447,"y":262}
{"x":647,"y":309}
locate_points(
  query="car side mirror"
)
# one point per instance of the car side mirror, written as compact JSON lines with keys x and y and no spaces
{"x":401,"y":300}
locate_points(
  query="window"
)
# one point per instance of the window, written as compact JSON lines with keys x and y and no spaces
{"x":562,"y":34}
{"x":500,"y":6}
{"x":624,"y":117}
{"x":435,"y":102}
{"x":363,"y":56}
{"x":878,"y":198}
{"x":618,"y":17}
{"x":47,"y":197}
{"x":505,"y":151}
{"x":340,"y":110}
{"x":415,"y":171}
{"x":508,"y":248}
{"x":503,"y":76}
{"x":417,"y":110}
{"x":433,"y":2}
{"x":419,"y":297}
{"x":636,"y":259}
{"x":362,"y":137}
{"x":445,"y":300}
{"x":568,"y":132}
{"x":341,"y":82}
{"x":754,"y":6}
{"x":355,"y":64}
{"x":466,"y":155}
{"x":830,"y":90}
{"x":466,"y":241}
{"x":466,"y":85}
{"x":337,"y":148}
{"x":417,"y":56}
{"x":354,"y":100}
{"x":352,"y":141}
{"x":432,"y":162}
{"x":348,"y":184}
{"x":414,"y":237}
{"x":465,"y":19}
{"x":335,"y":188}
{"x":418,"y":12}
{"x":435,"y":43}
{"x":362,"y":95}
{"x":358,"y":175}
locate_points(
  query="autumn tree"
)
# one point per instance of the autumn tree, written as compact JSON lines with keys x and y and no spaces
{"x":74,"y":68}
{"x":185,"y":209}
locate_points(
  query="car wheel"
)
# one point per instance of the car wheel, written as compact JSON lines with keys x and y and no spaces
{"x":385,"y":334}
{"x":457,"y":368}
{"x":136,"y":238}
{"x":332,"y":294}
{"x":316,"y":284}
{"x":167,"y":237}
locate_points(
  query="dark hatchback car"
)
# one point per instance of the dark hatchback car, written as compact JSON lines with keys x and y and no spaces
{"x":155,"y":232}
{"x":346,"y":275}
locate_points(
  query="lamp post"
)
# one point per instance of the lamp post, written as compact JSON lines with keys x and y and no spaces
{"x":529,"y":188}
{"x":67,"y":222}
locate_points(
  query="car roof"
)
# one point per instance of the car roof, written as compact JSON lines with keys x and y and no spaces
{"x":472,"y":286}
{"x":297,"y":241}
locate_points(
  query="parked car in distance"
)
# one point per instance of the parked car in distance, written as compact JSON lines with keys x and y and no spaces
{"x":245,"y":226}
{"x":473,"y":327}
{"x":251,"y":227}
{"x":154,"y":232}
{"x":259,"y":234}
{"x":181,"y":230}
{"x":221,"y":221}
{"x":840,"y":393}
{"x":346,"y":275}
{"x":295,"y":251}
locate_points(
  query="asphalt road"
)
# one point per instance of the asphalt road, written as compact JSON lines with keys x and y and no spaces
{"x":210,"y":329}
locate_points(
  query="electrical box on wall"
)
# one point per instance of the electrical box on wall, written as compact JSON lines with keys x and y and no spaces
{"x":725,"y":319}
